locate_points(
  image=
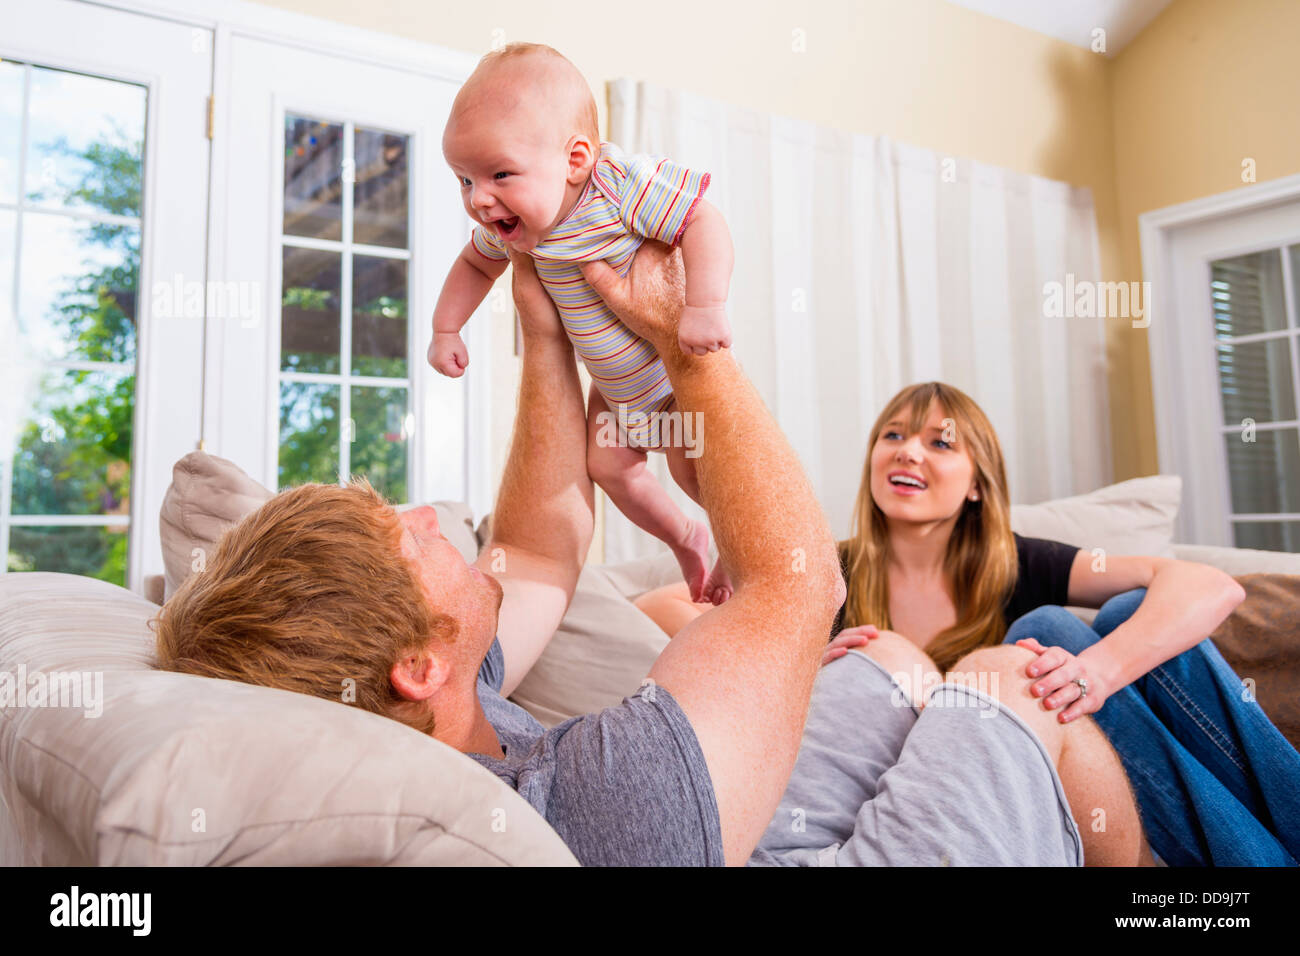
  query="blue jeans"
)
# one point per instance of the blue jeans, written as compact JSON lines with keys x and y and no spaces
{"x":1216,"y":783}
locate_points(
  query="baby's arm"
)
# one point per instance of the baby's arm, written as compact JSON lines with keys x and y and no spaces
{"x":708,"y":257}
{"x":467,"y":284}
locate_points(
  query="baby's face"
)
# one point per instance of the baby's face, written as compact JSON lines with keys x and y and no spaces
{"x":512,"y":180}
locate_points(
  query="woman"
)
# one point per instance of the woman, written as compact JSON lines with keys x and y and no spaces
{"x":933,"y":558}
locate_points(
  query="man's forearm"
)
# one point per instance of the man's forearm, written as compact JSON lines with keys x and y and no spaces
{"x":765,"y":517}
{"x":546,"y":503}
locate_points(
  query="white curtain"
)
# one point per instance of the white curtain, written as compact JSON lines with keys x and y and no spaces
{"x":864,"y":265}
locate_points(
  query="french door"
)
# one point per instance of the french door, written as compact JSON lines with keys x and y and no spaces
{"x":103,"y":204}
{"x":337,"y":222}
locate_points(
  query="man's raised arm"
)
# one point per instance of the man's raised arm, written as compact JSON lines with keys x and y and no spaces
{"x":543,"y":521}
{"x":742,"y":672}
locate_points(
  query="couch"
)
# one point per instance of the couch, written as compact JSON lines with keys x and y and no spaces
{"x":191,"y":771}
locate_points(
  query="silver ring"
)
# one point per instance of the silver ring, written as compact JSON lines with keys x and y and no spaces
{"x":1083,"y":685}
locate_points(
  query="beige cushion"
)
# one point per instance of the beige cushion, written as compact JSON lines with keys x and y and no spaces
{"x":209,"y":495}
{"x":602,"y":649}
{"x":1132,"y":517}
{"x":1238,"y":561}
{"x":182,"y":770}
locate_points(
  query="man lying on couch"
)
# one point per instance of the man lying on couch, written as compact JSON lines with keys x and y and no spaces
{"x":328,"y":591}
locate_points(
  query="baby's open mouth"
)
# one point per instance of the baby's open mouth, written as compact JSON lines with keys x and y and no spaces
{"x":508,"y":229}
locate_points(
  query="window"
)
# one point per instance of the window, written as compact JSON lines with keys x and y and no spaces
{"x":1254,"y":307}
{"x":345,"y":385}
{"x":71,"y":159}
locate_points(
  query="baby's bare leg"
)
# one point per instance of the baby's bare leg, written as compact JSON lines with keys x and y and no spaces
{"x":622,"y":473}
{"x":717,"y":587}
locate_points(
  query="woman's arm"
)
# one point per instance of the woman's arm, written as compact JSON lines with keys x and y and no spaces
{"x":671,"y":607}
{"x":1184,"y":603}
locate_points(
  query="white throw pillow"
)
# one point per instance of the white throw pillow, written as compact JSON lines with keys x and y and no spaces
{"x":1132,"y":517}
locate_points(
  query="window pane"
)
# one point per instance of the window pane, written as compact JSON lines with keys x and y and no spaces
{"x":1264,"y":474}
{"x":1247,"y":294}
{"x":313,"y":178}
{"x":77,"y":295}
{"x":379,"y":194}
{"x":309,"y":311}
{"x":379,"y":440}
{"x":379,"y":344}
{"x":1255,"y":381}
{"x":309,"y":433}
{"x":1267,"y":535}
{"x":11,"y":126}
{"x":98,"y":552}
{"x":85,"y":142}
{"x":74,"y":447}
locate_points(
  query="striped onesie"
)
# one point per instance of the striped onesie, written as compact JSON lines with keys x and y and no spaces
{"x":628,"y":199}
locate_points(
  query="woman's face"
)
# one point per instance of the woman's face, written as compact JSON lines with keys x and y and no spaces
{"x":922,"y":478}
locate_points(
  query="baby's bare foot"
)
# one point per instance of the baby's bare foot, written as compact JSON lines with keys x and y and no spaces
{"x":692,"y":554}
{"x":717,"y":589}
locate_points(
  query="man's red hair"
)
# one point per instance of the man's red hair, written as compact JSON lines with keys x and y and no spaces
{"x":309,"y":593}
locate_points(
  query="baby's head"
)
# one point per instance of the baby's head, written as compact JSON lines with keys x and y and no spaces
{"x":522,"y":139}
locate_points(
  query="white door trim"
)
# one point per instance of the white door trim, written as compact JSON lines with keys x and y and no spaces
{"x":1182,"y":379}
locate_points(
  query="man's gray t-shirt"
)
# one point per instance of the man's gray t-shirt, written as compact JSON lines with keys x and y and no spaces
{"x":627,"y":786}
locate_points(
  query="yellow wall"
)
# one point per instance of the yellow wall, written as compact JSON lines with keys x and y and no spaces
{"x":1169,"y":119}
{"x":1207,"y":84}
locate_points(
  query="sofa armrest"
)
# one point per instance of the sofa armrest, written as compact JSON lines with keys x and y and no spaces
{"x":1238,"y":561}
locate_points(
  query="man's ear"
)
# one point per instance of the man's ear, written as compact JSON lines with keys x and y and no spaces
{"x":419,"y":677}
{"x":582,"y":155}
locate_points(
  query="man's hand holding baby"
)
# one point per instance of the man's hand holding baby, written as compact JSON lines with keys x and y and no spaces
{"x":656,"y":277}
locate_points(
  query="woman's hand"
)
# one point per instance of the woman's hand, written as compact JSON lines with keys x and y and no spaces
{"x":537,"y":313}
{"x":1056,"y":669}
{"x":849,"y":638}
{"x":650,"y":298}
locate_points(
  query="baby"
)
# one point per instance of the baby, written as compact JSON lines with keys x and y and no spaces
{"x":523,"y":142}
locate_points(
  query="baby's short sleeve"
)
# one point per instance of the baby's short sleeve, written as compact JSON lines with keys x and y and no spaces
{"x":488,"y":244}
{"x":659,"y":197}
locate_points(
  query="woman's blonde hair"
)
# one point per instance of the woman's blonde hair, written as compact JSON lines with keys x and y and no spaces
{"x":980,"y":564}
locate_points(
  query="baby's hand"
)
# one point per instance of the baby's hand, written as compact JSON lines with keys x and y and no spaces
{"x":703,"y":329}
{"x":447,"y":353}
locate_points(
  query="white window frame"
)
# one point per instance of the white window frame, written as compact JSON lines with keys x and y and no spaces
{"x":161,"y":426}
{"x":1184,"y":377}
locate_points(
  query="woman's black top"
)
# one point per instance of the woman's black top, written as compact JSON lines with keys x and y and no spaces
{"x":1043,"y":578}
